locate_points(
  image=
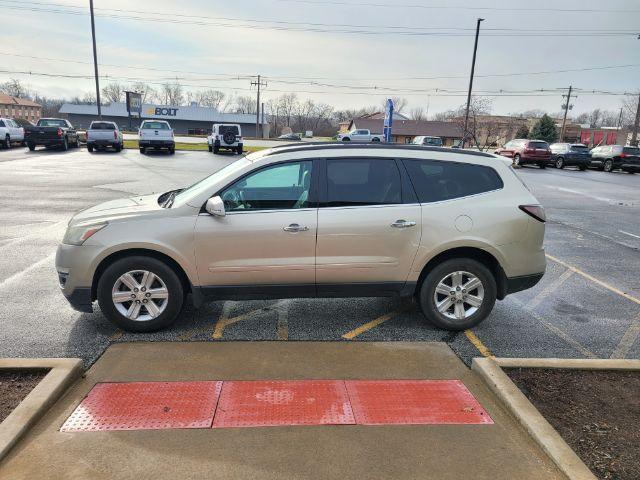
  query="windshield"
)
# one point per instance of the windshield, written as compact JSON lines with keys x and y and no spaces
{"x":51,"y":123}
{"x":631,"y":150}
{"x":155,"y":126}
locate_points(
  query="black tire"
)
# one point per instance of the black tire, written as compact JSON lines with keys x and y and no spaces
{"x":216,"y":150}
{"x":433,"y":278}
{"x":7,"y":142}
{"x":542,"y":165}
{"x":239,"y":150}
{"x":174,"y":302}
{"x":375,"y":140}
{"x":560,"y":163}
{"x":143,"y":150}
{"x":582,"y":168}
{"x":229,"y":138}
{"x":608,"y":166}
{"x":172,"y":151}
{"x":118,"y":148}
{"x":210,"y":148}
{"x":31,"y":146}
{"x":90,"y":148}
{"x":346,"y":139}
{"x":516,"y":160}
{"x":65,"y":144}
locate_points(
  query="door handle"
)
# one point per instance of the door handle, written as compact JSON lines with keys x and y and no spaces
{"x":403,"y":224}
{"x":294,"y":227}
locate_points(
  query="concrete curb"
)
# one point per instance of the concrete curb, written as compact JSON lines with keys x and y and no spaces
{"x":490,"y":369}
{"x":62,"y":372}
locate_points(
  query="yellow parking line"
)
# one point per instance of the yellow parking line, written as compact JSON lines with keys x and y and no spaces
{"x":553,"y":286}
{"x":594,"y":279}
{"x":628,"y":339}
{"x":482,"y":348}
{"x":225,"y":322}
{"x":369,"y":325}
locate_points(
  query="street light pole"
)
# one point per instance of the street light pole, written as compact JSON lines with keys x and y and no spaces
{"x":564,"y":118}
{"x":636,"y":124}
{"x":473,"y":68}
{"x":95,"y":60}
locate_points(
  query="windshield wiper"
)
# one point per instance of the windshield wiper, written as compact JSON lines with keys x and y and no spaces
{"x":171,"y":197}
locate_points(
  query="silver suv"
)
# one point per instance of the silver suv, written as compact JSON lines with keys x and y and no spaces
{"x":455,"y":229}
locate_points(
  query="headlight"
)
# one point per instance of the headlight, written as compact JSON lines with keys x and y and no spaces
{"x":78,"y":234}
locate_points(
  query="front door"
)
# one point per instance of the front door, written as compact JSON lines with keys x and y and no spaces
{"x":367,"y":236}
{"x":268,"y":236}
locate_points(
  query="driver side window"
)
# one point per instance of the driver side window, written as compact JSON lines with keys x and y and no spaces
{"x":278,"y":187}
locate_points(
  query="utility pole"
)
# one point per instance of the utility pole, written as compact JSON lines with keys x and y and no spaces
{"x":619,"y":124}
{"x":473,"y":68}
{"x":564,"y":117}
{"x":262,"y":124}
{"x":258,"y":84}
{"x":95,"y":60}
{"x":634,"y":134}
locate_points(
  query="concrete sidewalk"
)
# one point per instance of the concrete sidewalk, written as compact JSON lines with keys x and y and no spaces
{"x":499,"y":451}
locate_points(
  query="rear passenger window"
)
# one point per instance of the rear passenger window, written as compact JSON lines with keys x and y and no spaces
{"x":435,"y":181}
{"x":356,"y":182}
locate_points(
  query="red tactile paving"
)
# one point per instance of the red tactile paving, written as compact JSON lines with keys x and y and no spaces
{"x":272,"y":403}
{"x":145,"y":405}
{"x":405,"y":402}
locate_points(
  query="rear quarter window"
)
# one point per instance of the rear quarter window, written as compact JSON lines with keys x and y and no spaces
{"x":436,"y":180}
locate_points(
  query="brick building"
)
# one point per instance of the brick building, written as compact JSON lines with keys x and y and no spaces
{"x":13,"y":107}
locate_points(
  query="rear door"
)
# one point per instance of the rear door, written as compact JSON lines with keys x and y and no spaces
{"x":368,"y":228}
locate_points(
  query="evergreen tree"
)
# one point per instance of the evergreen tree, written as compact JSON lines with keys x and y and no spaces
{"x":523,"y":132}
{"x":544,"y":129}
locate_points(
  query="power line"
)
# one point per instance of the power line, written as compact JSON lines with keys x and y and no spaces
{"x":450,"y":7}
{"x":169,"y":18}
{"x":312,"y":80}
{"x":433,"y":92}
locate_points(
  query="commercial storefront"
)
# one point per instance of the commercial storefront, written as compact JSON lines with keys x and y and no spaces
{"x":190,"y":120}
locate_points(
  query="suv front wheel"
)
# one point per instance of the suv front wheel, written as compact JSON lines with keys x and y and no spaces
{"x":140,"y":294}
{"x":458,"y":294}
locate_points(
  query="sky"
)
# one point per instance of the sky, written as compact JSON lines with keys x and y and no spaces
{"x":350,"y":53}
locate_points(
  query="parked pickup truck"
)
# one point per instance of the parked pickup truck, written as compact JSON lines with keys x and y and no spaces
{"x":363,"y":136}
{"x":51,"y":132}
{"x":102,"y":135}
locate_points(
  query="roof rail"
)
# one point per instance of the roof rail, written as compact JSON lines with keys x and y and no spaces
{"x":300,"y":147}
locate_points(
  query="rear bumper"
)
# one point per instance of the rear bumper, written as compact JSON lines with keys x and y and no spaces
{"x":47,"y":142}
{"x":157,"y":143}
{"x":517,"y":284}
{"x":103,"y":143}
{"x":536,"y":160}
{"x":630,"y":167}
{"x":218,"y":144}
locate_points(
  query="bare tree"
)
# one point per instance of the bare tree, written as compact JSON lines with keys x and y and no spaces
{"x":211,"y":98}
{"x":172,"y":94}
{"x":417,"y":114}
{"x":15,"y":88}
{"x":629,"y":109}
{"x":288,"y":103}
{"x":113,"y":92}
{"x":399,"y":104}
{"x":147,"y":93}
{"x":245,"y":104}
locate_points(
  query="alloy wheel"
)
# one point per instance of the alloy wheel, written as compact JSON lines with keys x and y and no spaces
{"x":459,"y":295}
{"x":140,"y":295}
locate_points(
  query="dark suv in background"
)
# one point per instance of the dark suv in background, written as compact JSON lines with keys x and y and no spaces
{"x":570,"y":155}
{"x":524,"y":152}
{"x":614,"y":157}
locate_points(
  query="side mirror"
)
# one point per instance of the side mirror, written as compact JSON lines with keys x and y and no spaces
{"x":215,"y":207}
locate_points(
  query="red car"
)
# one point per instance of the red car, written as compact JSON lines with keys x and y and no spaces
{"x":524,"y":152}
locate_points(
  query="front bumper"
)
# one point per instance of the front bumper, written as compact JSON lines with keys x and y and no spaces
{"x":75,"y":267}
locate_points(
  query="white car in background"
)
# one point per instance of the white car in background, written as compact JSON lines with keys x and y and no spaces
{"x":156,"y":134}
{"x":10,"y":132}
{"x":227,"y":136}
{"x":102,"y":135}
{"x":360,"y":135}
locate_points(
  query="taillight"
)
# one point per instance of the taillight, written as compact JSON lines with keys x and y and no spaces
{"x":536,"y":211}
{"x":115,"y":135}
{"x":59,"y":132}
{"x":622,"y":155}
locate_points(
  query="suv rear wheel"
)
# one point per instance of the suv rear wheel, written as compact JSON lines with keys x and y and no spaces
{"x":608,"y":165}
{"x":140,"y":294}
{"x":560,"y":163}
{"x":458,"y":294}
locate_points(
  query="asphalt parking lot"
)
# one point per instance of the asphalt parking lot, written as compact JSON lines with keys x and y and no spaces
{"x":586,"y":306}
